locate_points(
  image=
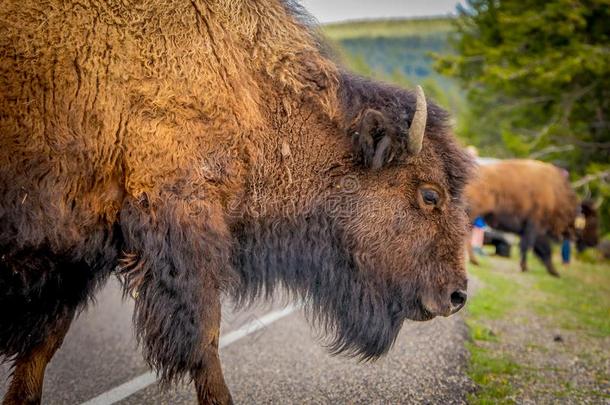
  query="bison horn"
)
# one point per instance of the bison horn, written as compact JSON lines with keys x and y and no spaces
{"x":418,"y":125}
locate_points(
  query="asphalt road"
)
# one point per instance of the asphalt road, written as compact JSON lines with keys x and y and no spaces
{"x":278,"y":362}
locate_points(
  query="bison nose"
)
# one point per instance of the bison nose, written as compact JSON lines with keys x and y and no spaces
{"x":458,"y":299}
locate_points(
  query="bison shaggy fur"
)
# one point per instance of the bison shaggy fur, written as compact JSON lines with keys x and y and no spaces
{"x":200,"y":148}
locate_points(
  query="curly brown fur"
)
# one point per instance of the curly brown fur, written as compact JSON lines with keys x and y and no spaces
{"x":134,"y":135}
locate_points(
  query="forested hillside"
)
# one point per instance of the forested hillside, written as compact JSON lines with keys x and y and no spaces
{"x":399,"y":51}
{"x":388,"y":47}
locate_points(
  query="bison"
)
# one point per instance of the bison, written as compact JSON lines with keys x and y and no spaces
{"x":533,"y":200}
{"x":208,"y":148}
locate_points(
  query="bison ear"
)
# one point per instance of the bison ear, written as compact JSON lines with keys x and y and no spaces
{"x":371,"y":139}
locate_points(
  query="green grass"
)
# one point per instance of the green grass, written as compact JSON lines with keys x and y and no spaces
{"x":497,"y":298}
{"x":388,"y":28}
{"x":578,"y":301}
{"x":491,"y":373}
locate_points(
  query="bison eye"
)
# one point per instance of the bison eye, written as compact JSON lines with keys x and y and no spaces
{"x":430,"y":197}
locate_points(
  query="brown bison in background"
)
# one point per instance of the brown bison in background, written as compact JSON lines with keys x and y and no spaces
{"x":534,"y":200}
{"x":202,"y":147}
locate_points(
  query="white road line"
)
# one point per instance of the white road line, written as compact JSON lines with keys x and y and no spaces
{"x":131,"y":387}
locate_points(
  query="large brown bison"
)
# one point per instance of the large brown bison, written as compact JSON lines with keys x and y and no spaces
{"x":206,"y":147}
{"x":534,"y":200}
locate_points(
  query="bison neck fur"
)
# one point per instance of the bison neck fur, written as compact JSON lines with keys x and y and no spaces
{"x":308,"y":257}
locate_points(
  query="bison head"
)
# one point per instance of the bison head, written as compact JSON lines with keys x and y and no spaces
{"x":368,"y":230}
{"x":587,"y":226}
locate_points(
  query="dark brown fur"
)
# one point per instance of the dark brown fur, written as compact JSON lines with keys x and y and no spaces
{"x":589,"y":235}
{"x":135,"y":136}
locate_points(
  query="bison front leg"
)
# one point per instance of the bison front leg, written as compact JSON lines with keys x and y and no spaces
{"x":528,"y":238}
{"x":209,"y":380}
{"x":29,"y":368}
{"x":542,"y":249}
{"x":176,"y":263}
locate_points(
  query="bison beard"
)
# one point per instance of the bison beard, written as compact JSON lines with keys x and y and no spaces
{"x":361,"y":314}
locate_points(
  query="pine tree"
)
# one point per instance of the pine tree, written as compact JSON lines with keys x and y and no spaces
{"x":537,"y":77}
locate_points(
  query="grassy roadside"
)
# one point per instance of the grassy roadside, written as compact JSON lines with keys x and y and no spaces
{"x":537,"y":338}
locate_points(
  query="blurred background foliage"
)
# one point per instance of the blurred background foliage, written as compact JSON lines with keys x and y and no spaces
{"x":522,"y":78}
